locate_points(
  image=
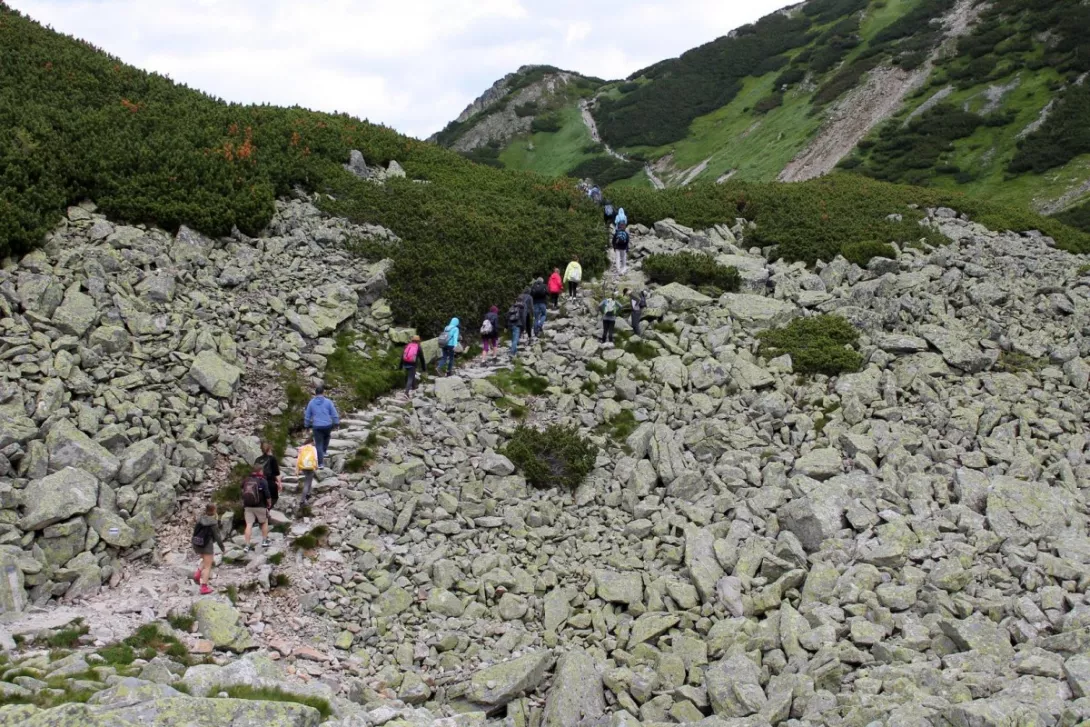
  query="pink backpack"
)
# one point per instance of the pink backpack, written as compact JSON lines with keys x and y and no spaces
{"x":411,"y":351}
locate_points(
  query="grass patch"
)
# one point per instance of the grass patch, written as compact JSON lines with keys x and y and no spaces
{"x":517,"y":411}
{"x":519,"y":382}
{"x":589,"y":388}
{"x":692,"y":269}
{"x":312,"y":539}
{"x":361,"y":460}
{"x":119,"y":654}
{"x":275,"y":559}
{"x":604,"y":368}
{"x":554,"y":457}
{"x":67,"y":638}
{"x":817,"y":345}
{"x":642,"y":350}
{"x":358,"y":378}
{"x":1013,"y":362}
{"x":665,"y":327}
{"x":146,"y":642}
{"x":1083,"y":270}
{"x":280,"y":580}
{"x":274,"y":694}
{"x":232,"y":594}
{"x":278,"y":429}
{"x":620,"y":427}
{"x":182,"y":621}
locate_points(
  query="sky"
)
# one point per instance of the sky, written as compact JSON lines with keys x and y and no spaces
{"x":410,"y":64}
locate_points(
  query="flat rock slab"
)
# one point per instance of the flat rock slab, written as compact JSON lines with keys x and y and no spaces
{"x":576,"y":693}
{"x":758,"y":311}
{"x":499,"y":684}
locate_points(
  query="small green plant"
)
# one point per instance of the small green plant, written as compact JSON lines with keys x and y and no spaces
{"x":361,"y":460}
{"x":817,"y":345}
{"x":642,"y":350}
{"x":519,"y":382}
{"x":1013,"y":362}
{"x":589,"y":388}
{"x":182,"y":621}
{"x":1083,"y":270}
{"x":691,"y":269}
{"x":517,"y":411}
{"x":665,"y":327}
{"x":280,"y":580}
{"x":67,"y":638}
{"x":861,"y":253}
{"x":312,"y":539}
{"x":274,"y":694}
{"x":119,"y":654}
{"x":275,"y":559}
{"x":620,"y":426}
{"x":232,"y":594}
{"x":603,"y":368}
{"x":557,"y":456}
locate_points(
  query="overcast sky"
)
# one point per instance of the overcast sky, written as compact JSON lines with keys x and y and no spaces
{"x":410,"y":64}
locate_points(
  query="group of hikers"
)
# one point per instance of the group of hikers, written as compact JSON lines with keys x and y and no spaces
{"x":260,"y":489}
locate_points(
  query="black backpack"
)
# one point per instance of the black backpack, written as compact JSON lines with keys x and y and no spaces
{"x":516,"y":315}
{"x":538,"y":291}
{"x":202,"y":535}
{"x":267,"y":462}
{"x":252,"y":496}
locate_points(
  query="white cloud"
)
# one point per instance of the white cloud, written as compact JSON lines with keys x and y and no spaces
{"x":411,"y":64}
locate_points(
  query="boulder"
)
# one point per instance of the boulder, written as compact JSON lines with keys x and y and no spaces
{"x":626,"y":588}
{"x":958,"y":348}
{"x":173,"y":711}
{"x":111,"y":528}
{"x":76,"y":314}
{"x":214,"y":375}
{"x":69,"y":447}
{"x":221,"y":623}
{"x":816,"y":516}
{"x":142,"y":458}
{"x":757,"y":311}
{"x":734,"y":687}
{"x":681,"y":297}
{"x":501,"y":683}
{"x":576,"y":693}
{"x":58,"y":497}
{"x":13,"y":597}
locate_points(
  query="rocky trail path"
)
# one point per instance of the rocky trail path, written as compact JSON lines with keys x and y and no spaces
{"x":592,"y":126}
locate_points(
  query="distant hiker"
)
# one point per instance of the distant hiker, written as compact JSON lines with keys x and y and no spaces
{"x":271,"y":469}
{"x":573,"y":275}
{"x":206,"y":534}
{"x":448,"y":341}
{"x":516,"y":319}
{"x":412,"y":360}
{"x":621,"y":218}
{"x":620,"y":248}
{"x":255,"y":503}
{"x":595,"y":194}
{"x":638,"y":301}
{"x":306,"y":464}
{"x":608,"y":308}
{"x":320,"y":417}
{"x":539,"y":293}
{"x":490,"y":333}
{"x":527,"y":301}
{"x":609,"y":213}
{"x":556,"y":287}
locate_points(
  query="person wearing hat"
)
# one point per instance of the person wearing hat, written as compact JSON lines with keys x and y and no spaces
{"x":412,"y":360}
{"x":320,"y":417}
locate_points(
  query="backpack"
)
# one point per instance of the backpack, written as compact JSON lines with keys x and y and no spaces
{"x":411,"y":352}
{"x":642,"y":300}
{"x":576,"y":275}
{"x":539,"y":290}
{"x":308,"y":458}
{"x":444,"y":339}
{"x":609,"y":307}
{"x":620,"y":239}
{"x":201,"y":535}
{"x":486,"y":327}
{"x":265,"y":462}
{"x":516,"y":315}
{"x":608,"y":209}
{"x":251,"y":489}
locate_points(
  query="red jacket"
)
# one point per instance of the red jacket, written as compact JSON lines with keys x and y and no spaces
{"x":555,"y":283}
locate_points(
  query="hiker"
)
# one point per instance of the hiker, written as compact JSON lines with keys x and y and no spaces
{"x":271,"y":469}
{"x":206,"y":534}
{"x":448,"y":341}
{"x":490,"y":333}
{"x":620,"y":248}
{"x":539,"y":294}
{"x":609,"y":213}
{"x":255,"y":503}
{"x":412,"y":360}
{"x":595,"y":194}
{"x":621,"y":218}
{"x":608,"y":307}
{"x":306,"y":464}
{"x":527,"y":301}
{"x":516,"y":318}
{"x":573,"y":275}
{"x":638,"y":302}
{"x":556,"y":286}
{"x":320,"y":418}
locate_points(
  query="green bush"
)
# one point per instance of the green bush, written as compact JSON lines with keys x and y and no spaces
{"x":817,"y":345}
{"x":861,"y":253}
{"x":692,"y":269}
{"x":547,"y":123}
{"x":358,"y":378}
{"x":527,"y":109}
{"x":554,"y":457}
{"x":605,"y":169}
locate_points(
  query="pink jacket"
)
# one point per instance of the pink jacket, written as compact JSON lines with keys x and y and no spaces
{"x":555,"y":283}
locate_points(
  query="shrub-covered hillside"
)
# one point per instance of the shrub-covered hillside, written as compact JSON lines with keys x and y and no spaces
{"x":76,"y":123}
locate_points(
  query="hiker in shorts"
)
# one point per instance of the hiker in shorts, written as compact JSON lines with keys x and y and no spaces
{"x":490,"y":333}
{"x":255,"y":504}
{"x":271,"y":468}
{"x":573,"y":275}
{"x":320,"y":418}
{"x":608,"y":308}
{"x":412,"y":360}
{"x":306,"y":464}
{"x":206,"y":535}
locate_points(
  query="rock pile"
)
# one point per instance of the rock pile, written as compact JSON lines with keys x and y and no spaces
{"x":123,"y":349}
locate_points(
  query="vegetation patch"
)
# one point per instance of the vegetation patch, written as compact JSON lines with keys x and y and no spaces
{"x":274,"y":694}
{"x":554,"y":457}
{"x":1013,"y":362}
{"x":620,"y":427}
{"x":692,"y":269}
{"x":605,"y":170}
{"x":360,"y":377}
{"x":519,"y":382}
{"x":182,"y":621}
{"x":861,"y":253}
{"x":68,"y":637}
{"x":817,"y":345}
{"x":275,"y":559}
{"x":311,"y":540}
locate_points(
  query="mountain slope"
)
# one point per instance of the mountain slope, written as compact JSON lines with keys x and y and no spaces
{"x":842,"y":82}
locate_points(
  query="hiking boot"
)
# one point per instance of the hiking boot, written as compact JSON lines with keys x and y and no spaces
{"x":205,"y":590}
{"x":197,"y":576}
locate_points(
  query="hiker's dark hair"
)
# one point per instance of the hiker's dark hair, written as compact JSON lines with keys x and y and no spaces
{"x":319,"y":389}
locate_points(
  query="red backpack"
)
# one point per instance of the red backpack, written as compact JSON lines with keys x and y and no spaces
{"x":411,"y":352}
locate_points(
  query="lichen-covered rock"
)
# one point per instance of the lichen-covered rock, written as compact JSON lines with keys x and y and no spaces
{"x":221,"y":623}
{"x":69,"y":447}
{"x":58,"y":497}
{"x":111,"y":528}
{"x":175,"y":711}
{"x":576,"y":693}
{"x":141,"y":458}
{"x":500,"y":683}
{"x":214,"y":375}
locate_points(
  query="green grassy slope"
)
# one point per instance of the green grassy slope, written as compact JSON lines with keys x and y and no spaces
{"x":76,"y":123}
{"x":771,"y":84}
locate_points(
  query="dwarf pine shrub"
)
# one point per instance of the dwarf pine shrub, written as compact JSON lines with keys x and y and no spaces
{"x":692,"y":269}
{"x":817,"y":345}
{"x":556,"y":456}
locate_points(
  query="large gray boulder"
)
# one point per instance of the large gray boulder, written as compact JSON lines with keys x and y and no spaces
{"x":214,"y":375}
{"x":758,"y":311}
{"x":576,"y":693}
{"x":58,"y":497}
{"x":816,"y":516}
{"x":499,"y":684}
{"x":76,"y":314}
{"x":681,"y":297}
{"x":958,"y":348}
{"x":69,"y":447}
{"x":221,"y":623}
{"x":141,"y":458}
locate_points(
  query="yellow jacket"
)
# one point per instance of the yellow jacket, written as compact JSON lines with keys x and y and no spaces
{"x":574,"y":271}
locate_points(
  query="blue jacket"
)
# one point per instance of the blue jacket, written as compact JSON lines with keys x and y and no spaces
{"x":320,"y":413}
{"x":622,"y":218}
{"x":453,"y":330}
